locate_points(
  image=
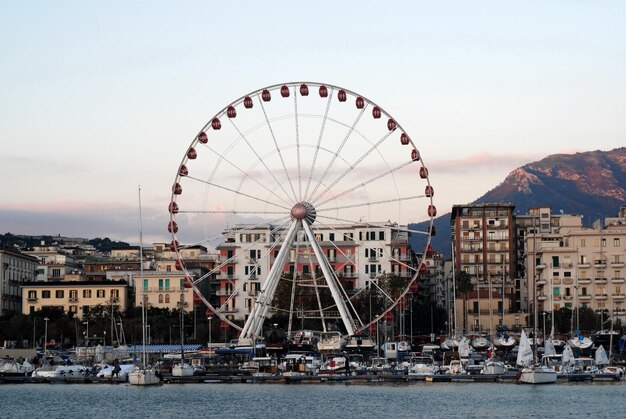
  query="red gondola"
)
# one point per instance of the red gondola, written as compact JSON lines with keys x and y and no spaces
{"x":173,"y":208}
{"x":202,"y":138}
{"x":423,"y":172}
{"x":174,"y":245}
{"x":247,"y":102}
{"x":391,"y":124}
{"x":266,"y":96}
{"x":231,"y":112}
{"x":191,"y":153}
{"x":429,"y":191}
{"x":178,"y":265}
{"x":342,"y":96}
{"x":360,"y":102}
{"x":323,"y":91}
{"x":415,"y":155}
{"x":183,"y":170}
{"x":404,"y":139}
{"x":304,"y":89}
{"x":284,"y":91}
{"x":187,"y":283}
{"x":376,"y":113}
{"x":172,"y":227}
{"x":429,"y":251}
{"x":177,"y":189}
{"x":432,"y":211}
{"x":216,"y":124}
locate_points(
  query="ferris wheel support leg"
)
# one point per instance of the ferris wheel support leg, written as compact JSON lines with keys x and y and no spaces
{"x":348,"y":322}
{"x":254,"y":324}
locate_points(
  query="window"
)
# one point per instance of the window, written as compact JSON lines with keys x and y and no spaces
{"x":32,"y":295}
{"x":74,"y":294}
{"x":145,"y":285}
{"x":603,"y":242}
{"x":583,"y":243}
{"x":167,"y":298}
{"x":160,"y":298}
{"x":584,"y":291}
{"x":59,"y":294}
{"x":160,"y":285}
{"x":167,"y":284}
{"x":381,"y":235}
{"x":168,"y":268}
{"x":568,"y":292}
{"x":56,"y":273}
{"x":616,"y":242}
{"x":331,"y":236}
{"x":100,"y":293}
{"x":86,"y":293}
{"x":465,"y":224}
{"x":555,"y":262}
{"x":73,"y":309}
{"x":115,"y":294}
{"x":556,"y":291}
{"x":182,"y":283}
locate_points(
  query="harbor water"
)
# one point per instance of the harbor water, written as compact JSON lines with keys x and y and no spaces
{"x":427,"y":400}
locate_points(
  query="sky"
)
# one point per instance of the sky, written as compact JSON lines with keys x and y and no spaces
{"x":98,"y":98}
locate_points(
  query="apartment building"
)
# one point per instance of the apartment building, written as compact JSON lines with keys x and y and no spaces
{"x":357,"y":254}
{"x":16,"y":268}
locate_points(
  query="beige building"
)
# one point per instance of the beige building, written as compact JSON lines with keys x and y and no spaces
{"x":74,"y":296}
{"x":163,"y":289}
{"x":487,"y":311}
{"x":575,"y":266}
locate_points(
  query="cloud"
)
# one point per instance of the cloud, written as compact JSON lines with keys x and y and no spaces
{"x":482,"y":161}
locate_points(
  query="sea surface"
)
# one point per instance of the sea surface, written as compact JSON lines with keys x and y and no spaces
{"x":427,"y":400}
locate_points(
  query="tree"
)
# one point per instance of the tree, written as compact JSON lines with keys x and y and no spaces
{"x":464,"y":286}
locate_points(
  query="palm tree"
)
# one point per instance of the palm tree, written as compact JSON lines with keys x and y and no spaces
{"x":464,"y":286}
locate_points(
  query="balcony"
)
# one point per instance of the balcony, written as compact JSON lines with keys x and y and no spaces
{"x":350,"y":275}
{"x":225,"y":293}
{"x":230,"y":310}
{"x":541,"y":266}
{"x":556,"y":297}
{"x":33,"y":299}
{"x":601,"y":296}
{"x":541,"y":297}
{"x":600,"y":264}
{"x":617,"y":280}
{"x":73,"y":299}
{"x":162,"y":289}
{"x":372,"y":259}
{"x":567,"y":297}
{"x":584,"y":265}
{"x":253,"y":293}
{"x":556,"y":281}
{"x":618,"y":296}
{"x":566,"y":265}
{"x":617,"y":264}
{"x":584,"y":280}
{"x":600,"y":280}
{"x":226,"y":276}
{"x":584,"y":297}
{"x":541,"y":282}
{"x":568,"y":280}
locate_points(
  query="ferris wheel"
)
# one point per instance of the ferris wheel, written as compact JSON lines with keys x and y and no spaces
{"x":306,"y":190}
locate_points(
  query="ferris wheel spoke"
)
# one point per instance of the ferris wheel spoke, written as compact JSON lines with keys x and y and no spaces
{"x":218,"y":268}
{"x":295,"y":106}
{"x":246,"y":174}
{"x":337,"y":152}
{"x":282,"y":160}
{"x":370,"y":203}
{"x":231,"y":212}
{"x":319,"y":140}
{"x":236,"y":192}
{"x":362,"y":184}
{"x":353,"y":165}
{"x":368,"y":224}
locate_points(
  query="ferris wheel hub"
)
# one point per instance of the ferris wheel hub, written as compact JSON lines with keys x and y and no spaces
{"x":304,"y":211}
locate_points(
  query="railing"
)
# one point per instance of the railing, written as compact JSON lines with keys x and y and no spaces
{"x":541,"y":282}
{"x":372,"y":258}
{"x":584,"y":265}
{"x":253,"y":293}
{"x":617,"y":264}
{"x":617,"y":280}
{"x":598,"y":264}
{"x":618,"y":296}
{"x":584,"y":297}
{"x":223,"y":293}
{"x":163,"y":289}
{"x":226,"y":276}
{"x":601,"y":296}
{"x":600,"y":280}
{"x":349,"y":274}
{"x":72,"y":299}
{"x":568,"y":280}
{"x":584,"y":280}
{"x":541,"y":297}
{"x":32,"y":299}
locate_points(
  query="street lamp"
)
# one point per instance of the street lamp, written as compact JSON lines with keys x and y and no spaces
{"x":45,"y":337}
{"x":209,"y":319}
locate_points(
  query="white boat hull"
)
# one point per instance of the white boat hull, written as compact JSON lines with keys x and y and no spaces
{"x":537,"y":375}
{"x":184,"y":370}
{"x":143,"y":377}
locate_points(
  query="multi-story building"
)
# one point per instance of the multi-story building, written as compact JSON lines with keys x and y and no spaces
{"x":74,"y":295}
{"x":54,"y":262}
{"x":484,"y":249}
{"x":163,"y":289}
{"x":575,"y":266}
{"x":16,"y":268}
{"x":357,"y":254}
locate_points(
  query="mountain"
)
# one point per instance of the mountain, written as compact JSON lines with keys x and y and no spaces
{"x":592,"y":184}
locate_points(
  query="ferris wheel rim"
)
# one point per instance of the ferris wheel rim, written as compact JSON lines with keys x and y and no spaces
{"x":257,"y":93}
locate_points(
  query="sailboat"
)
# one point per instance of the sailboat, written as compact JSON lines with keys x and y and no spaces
{"x":182,"y":368}
{"x":532,"y":373}
{"x":143,"y":374}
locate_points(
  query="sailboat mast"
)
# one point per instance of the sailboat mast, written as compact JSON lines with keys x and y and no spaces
{"x":454,"y":290}
{"x":534,"y":267}
{"x":143,"y":289}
